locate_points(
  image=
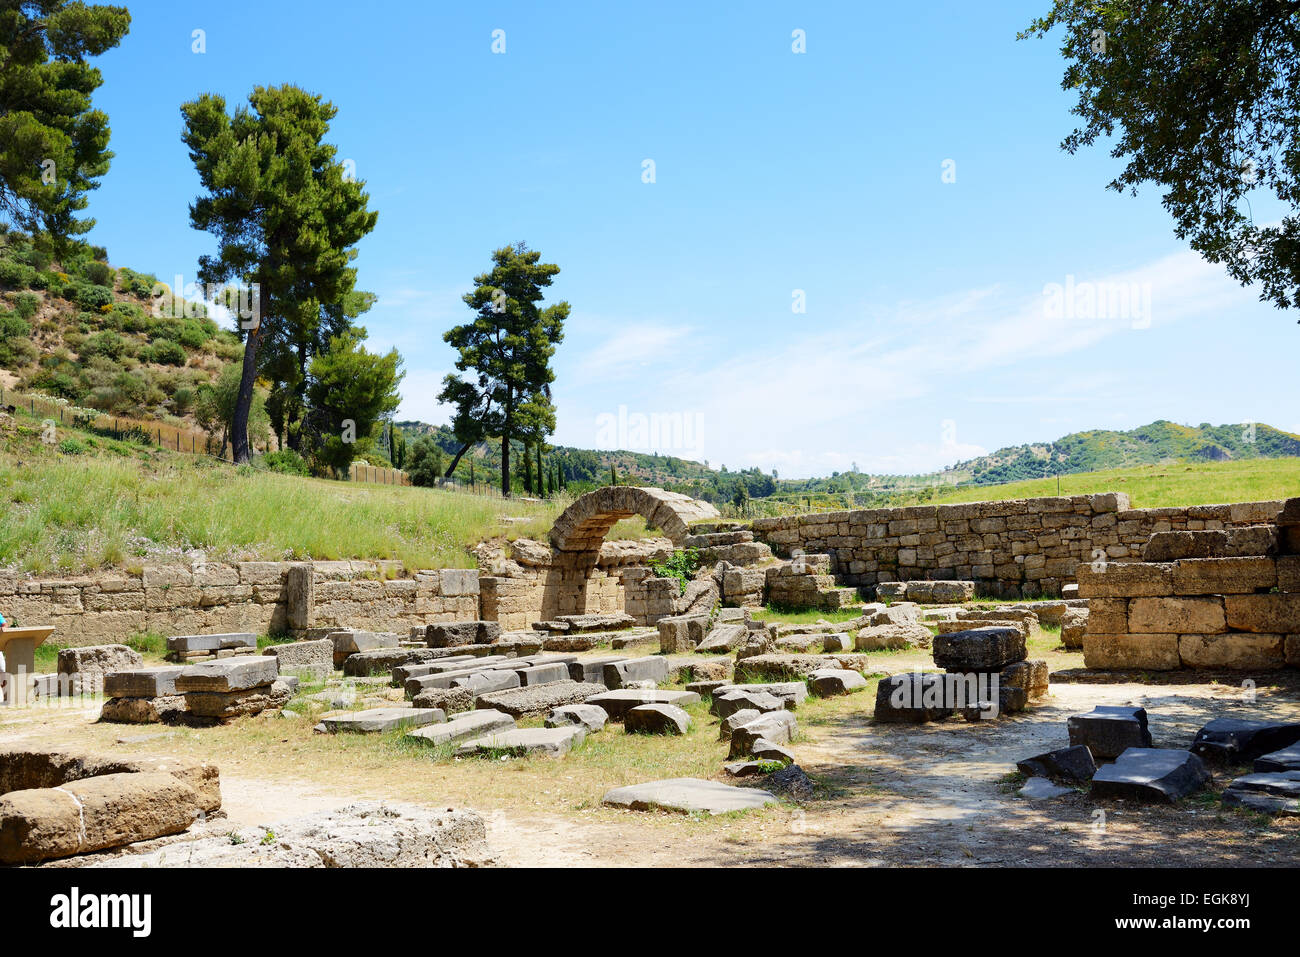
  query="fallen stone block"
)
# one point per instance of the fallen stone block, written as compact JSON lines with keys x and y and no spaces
{"x":605,"y":621}
{"x":379,"y":720}
{"x":724,"y":637}
{"x":908,"y":634}
{"x":453,"y":634}
{"x":1031,"y":676}
{"x":1074,"y":625}
{"x":703,"y":688}
{"x":836,"y":681}
{"x":793,"y":693}
{"x":517,"y":742}
{"x":229,"y":675}
{"x":378,"y":661}
{"x":1286,"y":759}
{"x":619,"y":673}
{"x":314,"y":659}
{"x":154,"y":682}
{"x":97,"y":660}
{"x":1272,"y":793}
{"x":619,"y":702}
{"x":776,"y":667}
{"x":188,"y":644}
{"x":729,"y":701}
{"x":765,"y":750}
{"x":418,"y":669}
{"x":656,"y":719}
{"x":979,"y":649}
{"x":447,"y":700}
{"x":837,"y":642}
{"x":348,"y":643}
{"x":777,"y":727}
{"x":679,"y":634}
{"x":735,"y":720}
{"x":227,"y":705}
{"x":160,"y":709}
{"x":1064,"y":764}
{"x":93,"y":814}
{"x":463,"y":727}
{"x":1108,"y":730}
{"x":1233,"y":740}
{"x":1151,"y":774}
{"x":592,"y":669}
{"x":483,"y":682}
{"x":26,"y":768}
{"x":539,"y":699}
{"x":543,"y":674}
{"x":588,"y":716}
{"x":912,"y":699}
{"x":687,"y":795}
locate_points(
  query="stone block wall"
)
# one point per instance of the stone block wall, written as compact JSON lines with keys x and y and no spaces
{"x":1222,"y":600}
{"x":260,"y":597}
{"x":1013,"y":549}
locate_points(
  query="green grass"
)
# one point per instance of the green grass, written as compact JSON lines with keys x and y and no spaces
{"x":117,"y":504}
{"x":1158,"y":486}
{"x":787,"y":616}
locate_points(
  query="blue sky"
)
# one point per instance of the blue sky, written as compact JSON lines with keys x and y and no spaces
{"x":927,"y":336}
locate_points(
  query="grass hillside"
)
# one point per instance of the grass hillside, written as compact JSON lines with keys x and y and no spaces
{"x":100,"y":338}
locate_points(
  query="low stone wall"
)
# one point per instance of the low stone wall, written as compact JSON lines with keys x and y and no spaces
{"x":1013,"y":549}
{"x":259,"y":597}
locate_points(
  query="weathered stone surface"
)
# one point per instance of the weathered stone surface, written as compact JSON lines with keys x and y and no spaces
{"x":1177,"y":616}
{"x":1108,"y":730}
{"x":1151,"y":774}
{"x":313,"y":659}
{"x":728,"y":701}
{"x":93,"y":814}
{"x":378,"y":661}
{"x":226,"y":705}
{"x":777,"y":727}
{"x":836,"y":681}
{"x":1031,"y":676}
{"x":191,"y":643}
{"x":687,"y":795}
{"x":1074,"y":625}
{"x":418,"y":669}
{"x":155,"y":710}
{"x":793,"y":693}
{"x":765,"y":750}
{"x":229,"y":675}
{"x":724,"y":637}
{"x":98,"y":659}
{"x":592,"y":669}
{"x":837,"y":642}
{"x":1285,"y":759}
{"x":1250,"y":540}
{"x":1125,"y":579}
{"x":1272,"y":614}
{"x":1223,"y":576}
{"x":540,"y":699}
{"x":940,"y":592}
{"x":620,"y":701}
{"x":1074,"y":763}
{"x":517,"y":742}
{"x":1233,"y":651}
{"x":1272,"y":793}
{"x":472,"y":724}
{"x":603,"y":621}
{"x":348,"y":642}
{"x":979,"y":649}
{"x":912,"y":699}
{"x":153,"y":682}
{"x":543,"y":674}
{"x":454,"y":634}
{"x":620,"y":673}
{"x":589,"y":716}
{"x":1125,"y":652}
{"x":890,"y":636}
{"x":485,"y":682}
{"x":379,"y":720}
{"x":26,"y":768}
{"x":775,"y":667}
{"x":656,"y":719}
{"x":679,"y":634}
{"x":1233,"y":740}
{"x":447,"y":700}
{"x":362,"y":835}
{"x":735,"y":720}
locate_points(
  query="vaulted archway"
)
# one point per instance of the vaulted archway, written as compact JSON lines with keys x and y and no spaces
{"x":583,"y":525}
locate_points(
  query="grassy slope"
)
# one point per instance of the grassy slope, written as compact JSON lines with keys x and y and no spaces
{"x":120,"y":504}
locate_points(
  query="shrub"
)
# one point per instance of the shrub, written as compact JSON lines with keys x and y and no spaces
{"x":100,"y":273}
{"x":26,"y":305}
{"x":183,"y":400}
{"x":164,"y":352}
{"x":107,"y":344}
{"x":287,"y":461}
{"x":71,"y":447}
{"x":16,"y":275}
{"x":15,"y":346}
{"x":92,"y":296}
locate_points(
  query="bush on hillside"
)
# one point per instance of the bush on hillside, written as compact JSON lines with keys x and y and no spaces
{"x":15,"y":345}
{"x":164,"y":352}
{"x":287,"y":462}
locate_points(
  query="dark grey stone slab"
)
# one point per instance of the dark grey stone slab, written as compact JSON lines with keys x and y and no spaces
{"x":143,"y":682}
{"x":979,"y":649}
{"x":656,"y":719}
{"x":1152,"y":775}
{"x":1287,"y":759}
{"x":378,"y":720}
{"x":1233,"y":740}
{"x":229,"y":674}
{"x":620,"y":701}
{"x":1108,"y":731}
{"x":471,"y":724}
{"x":1068,"y":764}
{"x":619,"y":673}
{"x":1276,"y":792}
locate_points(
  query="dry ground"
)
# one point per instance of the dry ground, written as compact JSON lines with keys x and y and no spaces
{"x":893,"y":795}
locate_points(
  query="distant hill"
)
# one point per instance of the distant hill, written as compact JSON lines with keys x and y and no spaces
{"x":1161,"y":442}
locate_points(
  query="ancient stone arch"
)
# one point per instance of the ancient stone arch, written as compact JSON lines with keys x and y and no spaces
{"x":584,"y":524}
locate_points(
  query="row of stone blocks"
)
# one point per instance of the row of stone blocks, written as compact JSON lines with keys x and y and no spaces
{"x":1223,"y":599}
{"x":205,"y":693}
